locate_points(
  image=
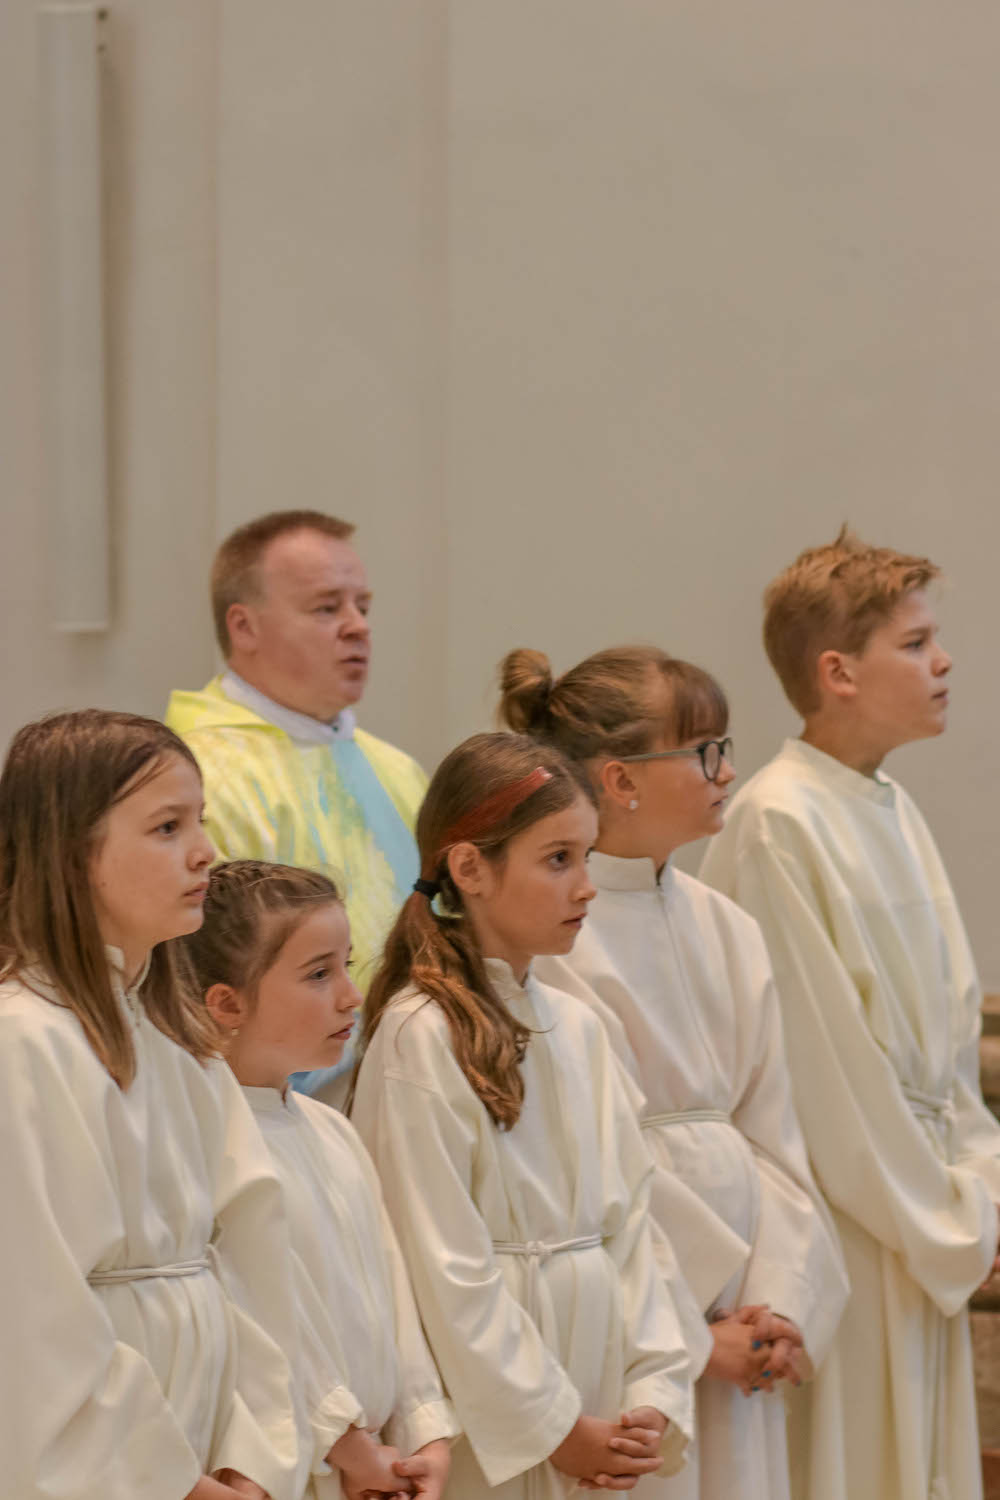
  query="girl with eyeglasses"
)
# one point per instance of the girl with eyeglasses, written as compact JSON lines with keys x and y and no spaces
{"x":682,"y":981}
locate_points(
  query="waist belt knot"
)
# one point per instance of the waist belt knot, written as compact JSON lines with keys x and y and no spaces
{"x":149,"y":1273}
{"x":536,"y":1253}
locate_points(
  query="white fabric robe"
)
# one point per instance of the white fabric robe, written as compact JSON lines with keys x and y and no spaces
{"x":136,"y":1387}
{"x":881,"y":1011}
{"x":681,"y":978}
{"x":528,"y":1336}
{"x":365,"y":1360}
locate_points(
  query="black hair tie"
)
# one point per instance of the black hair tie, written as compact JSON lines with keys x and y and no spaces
{"x":428,"y":888}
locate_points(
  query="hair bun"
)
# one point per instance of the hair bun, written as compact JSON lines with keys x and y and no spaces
{"x":526,"y":684}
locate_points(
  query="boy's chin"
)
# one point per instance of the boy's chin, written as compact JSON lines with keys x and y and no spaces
{"x":928,"y":729}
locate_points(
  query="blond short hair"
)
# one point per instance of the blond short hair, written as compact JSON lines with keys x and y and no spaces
{"x":236,"y":568}
{"x":831,"y":598}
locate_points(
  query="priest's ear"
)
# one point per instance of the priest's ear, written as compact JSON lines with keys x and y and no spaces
{"x":227,"y":1007}
{"x":617,"y":784}
{"x":242,"y":629}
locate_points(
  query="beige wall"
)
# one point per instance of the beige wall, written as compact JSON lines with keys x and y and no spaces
{"x":332,"y":305}
{"x":160,"y":97}
{"x":591,"y":314}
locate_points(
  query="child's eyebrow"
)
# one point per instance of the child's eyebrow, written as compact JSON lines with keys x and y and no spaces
{"x":557,"y":844}
{"x":170,"y":807}
{"x":316,"y":959}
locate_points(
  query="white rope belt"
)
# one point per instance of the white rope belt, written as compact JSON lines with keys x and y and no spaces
{"x":540,"y":1250}
{"x":148,"y":1273}
{"x":686,"y":1117}
{"x":929,"y":1106}
{"x":536,"y":1253}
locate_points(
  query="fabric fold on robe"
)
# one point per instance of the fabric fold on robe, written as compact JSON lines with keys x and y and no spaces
{"x":881,"y":1003}
{"x":682,"y":982}
{"x":365,"y":1359}
{"x":130,"y":1384}
{"x":529,"y":1250}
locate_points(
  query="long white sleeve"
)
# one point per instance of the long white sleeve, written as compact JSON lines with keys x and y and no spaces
{"x":871,"y":1154}
{"x":82,"y":1414}
{"x":419,"y":1120}
{"x":795,"y":1264}
{"x":259,"y":1435}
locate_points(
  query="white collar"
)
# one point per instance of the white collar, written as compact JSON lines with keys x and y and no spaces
{"x":299,"y":727}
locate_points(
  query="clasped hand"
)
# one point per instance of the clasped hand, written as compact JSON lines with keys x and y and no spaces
{"x":612,"y":1455}
{"x":371,"y":1470}
{"x":754,"y":1348}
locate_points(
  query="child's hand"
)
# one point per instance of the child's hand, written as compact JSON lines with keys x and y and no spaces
{"x":781,"y":1340}
{"x":217,"y":1489}
{"x":587,"y":1452}
{"x":739,"y":1355}
{"x":427,"y":1469}
{"x":367,"y":1467}
{"x":640,"y":1434}
{"x":995,"y":1268}
{"x":241,"y":1484}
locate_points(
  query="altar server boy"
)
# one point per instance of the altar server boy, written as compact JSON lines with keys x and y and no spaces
{"x":880,"y":1004}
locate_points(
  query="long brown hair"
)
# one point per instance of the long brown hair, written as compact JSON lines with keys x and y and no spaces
{"x":61,"y":776}
{"x":483,"y":793}
{"x":252,"y":908}
{"x":616,"y":702}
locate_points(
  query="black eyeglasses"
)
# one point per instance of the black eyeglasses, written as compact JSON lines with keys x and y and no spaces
{"x":711,"y":753}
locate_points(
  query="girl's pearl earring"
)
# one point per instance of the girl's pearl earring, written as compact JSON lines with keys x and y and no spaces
{"x":633,"y":804}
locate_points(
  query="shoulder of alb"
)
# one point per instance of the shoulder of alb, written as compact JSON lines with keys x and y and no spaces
{"x":329,"y":1123}
{"x":39,"y":1036}
{"x":413,"y":1039}
{"x":706,"y":904}
{"x":566,"y":1009}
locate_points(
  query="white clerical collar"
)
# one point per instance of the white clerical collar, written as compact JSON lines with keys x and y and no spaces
{"x":299,"y":727}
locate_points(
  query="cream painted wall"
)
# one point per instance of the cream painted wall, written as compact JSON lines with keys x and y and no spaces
{"x":160,"y":93}
{"x":591,"y":315}
{"x":332,"y":306}
{"x":721,"y":280}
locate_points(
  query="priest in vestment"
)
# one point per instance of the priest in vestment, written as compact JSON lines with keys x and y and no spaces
{"x":289,"y":774}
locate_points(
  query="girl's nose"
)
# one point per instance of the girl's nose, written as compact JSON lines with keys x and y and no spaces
{"x":351,"y":998}
{"x":203,"y":852}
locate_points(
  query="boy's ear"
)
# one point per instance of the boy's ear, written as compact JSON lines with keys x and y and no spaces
{"x":227,"y":1006}
{"x":835,"y":674}
{"x":467,"y":868}
{"x":617,"y":783}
